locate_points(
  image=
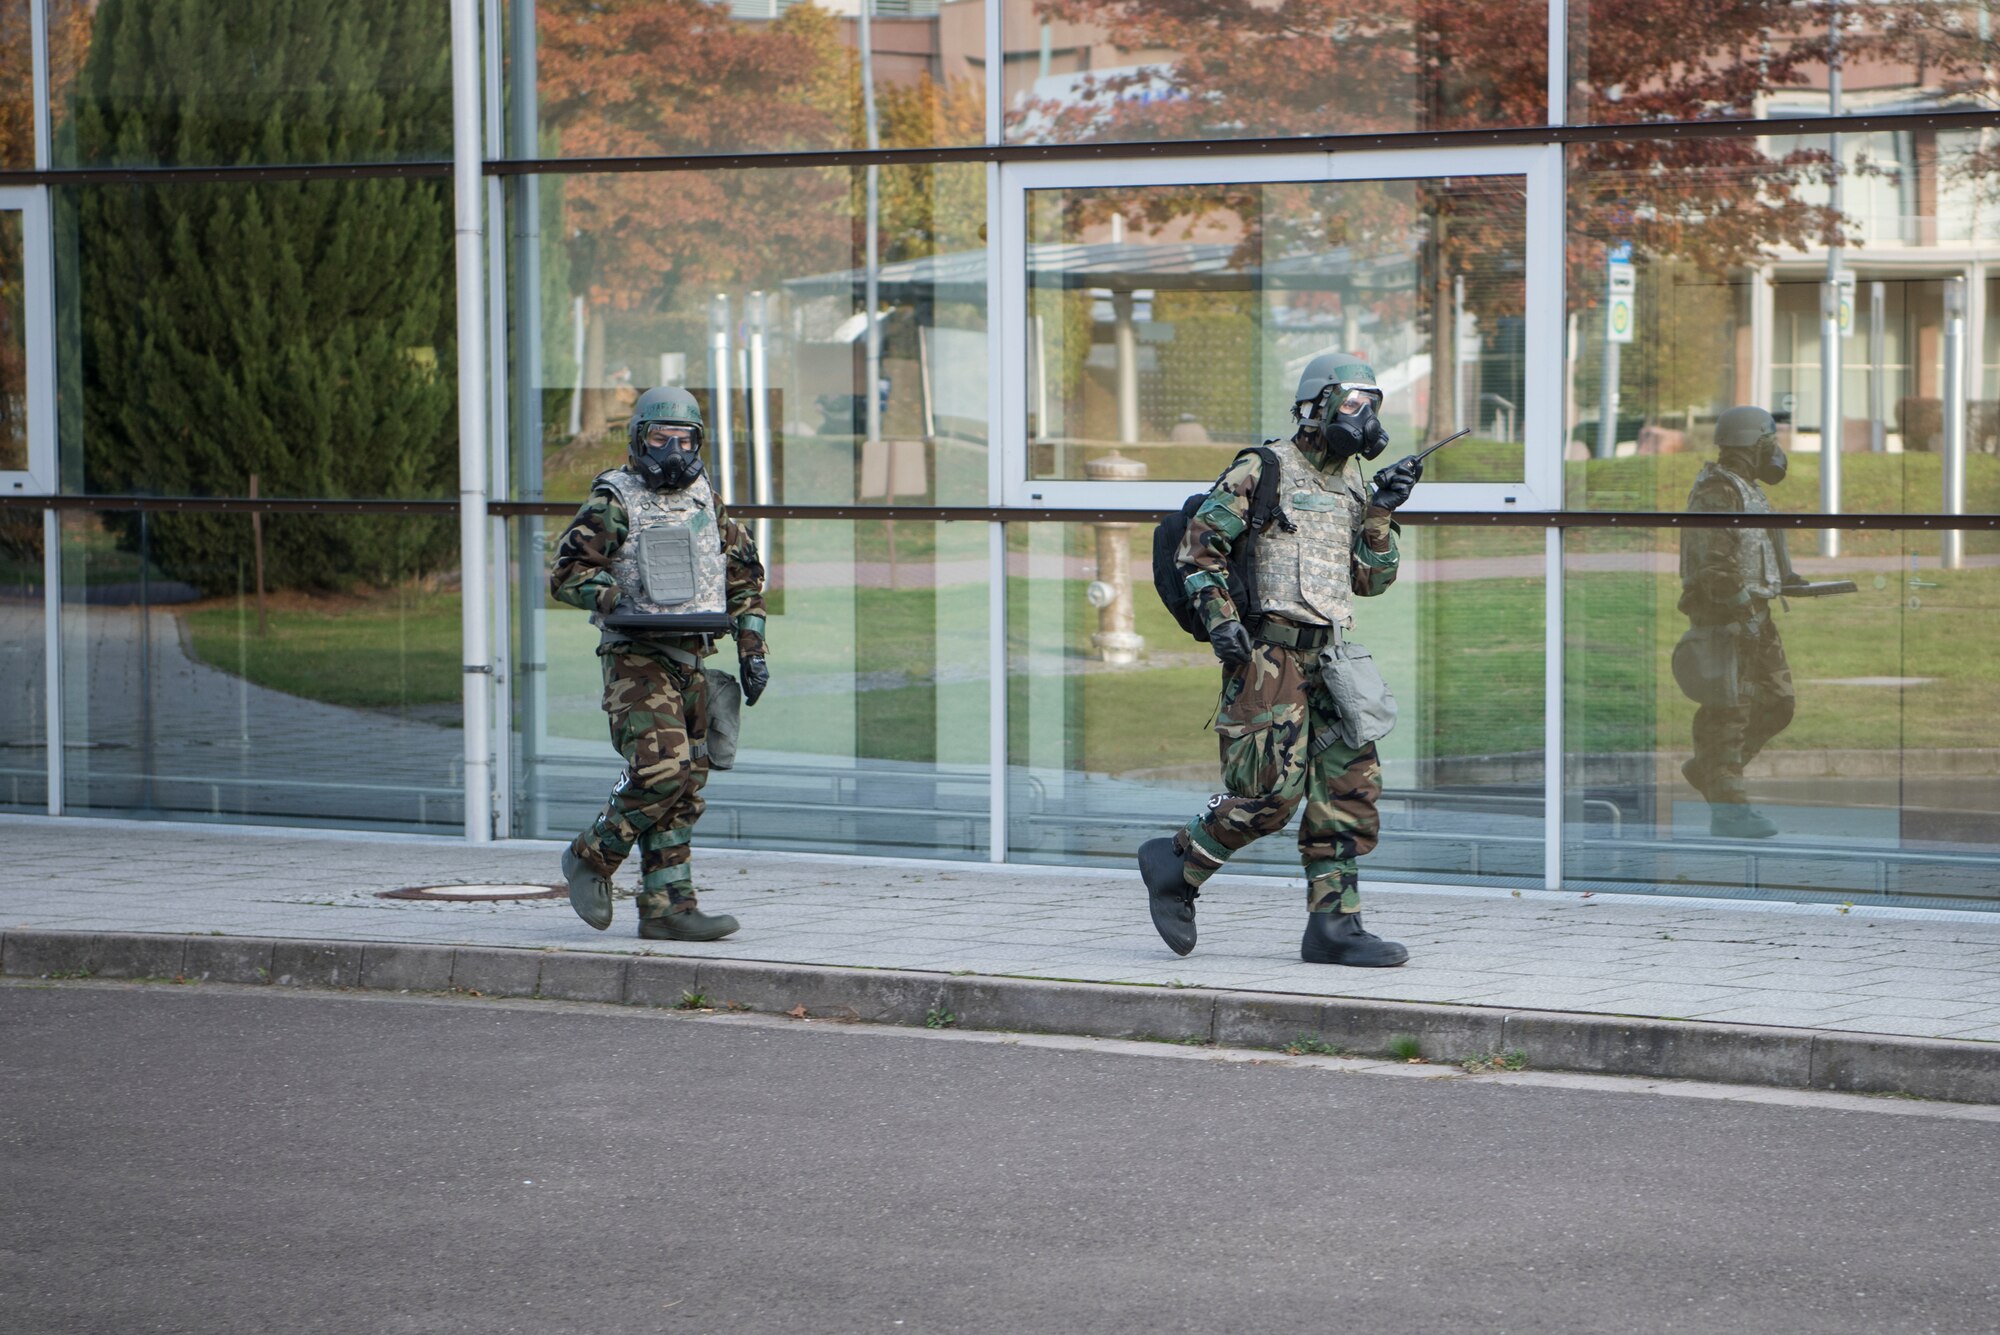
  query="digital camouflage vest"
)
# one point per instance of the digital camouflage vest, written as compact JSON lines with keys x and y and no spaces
{"x":672,"y":564}
{"x":1756,"y":548}
{"x":1307,"y":574}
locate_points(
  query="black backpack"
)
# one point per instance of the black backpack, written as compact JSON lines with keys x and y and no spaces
{"x":1167,"y":537}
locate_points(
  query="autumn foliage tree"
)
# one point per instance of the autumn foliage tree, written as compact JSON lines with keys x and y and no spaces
{"x":626,"y":78}
{"x":1284,"y":68}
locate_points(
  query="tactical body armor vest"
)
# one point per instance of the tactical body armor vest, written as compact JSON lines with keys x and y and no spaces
{"x":1307,"y":574}
{"x":1757,"y":555}
{"x":672,"y":575}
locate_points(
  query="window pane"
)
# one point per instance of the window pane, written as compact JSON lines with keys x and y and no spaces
{"x":187,"y":695}
{"x":646,"y":77}
{"x":1856,"y":757}
{"x":24,"y":750}
{"x":1169,"y":324}
{"x":872,"y":737}
{"x":1188,"y":69}
{"x":13,"y":342}
{"x":1104,"y":754}
{"x":1633,"y":60}
{"x":134,"y":83}
{"x":749,"y":288}
{"x":1727,"y":243}
{"x":298,"y":332}
{"x":17,"y":86}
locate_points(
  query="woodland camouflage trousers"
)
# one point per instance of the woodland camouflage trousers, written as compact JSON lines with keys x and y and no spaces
{"x":1271,"y":707}
{"x":1726,"y":738}
{"x":658,"y":711}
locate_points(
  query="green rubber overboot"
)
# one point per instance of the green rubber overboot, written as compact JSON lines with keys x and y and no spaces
{"x":589,"y":892}
{"x":687,"y":924}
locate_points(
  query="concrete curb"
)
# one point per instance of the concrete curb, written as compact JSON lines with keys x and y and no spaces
{"x":1547,"y":1040}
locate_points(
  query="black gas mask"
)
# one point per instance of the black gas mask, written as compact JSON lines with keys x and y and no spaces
{"x":666,"y":454}
{"x":1345,"y":418}
{"x":1764,"y":461}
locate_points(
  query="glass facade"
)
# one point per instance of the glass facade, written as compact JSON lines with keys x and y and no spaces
{"x":949,"y":384}
{"x":1087,"y":71}
{"x":248,"y":82}
{"x":204,"y":681}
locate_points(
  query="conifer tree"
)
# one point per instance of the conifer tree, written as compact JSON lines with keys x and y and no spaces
{"x":298,"y":331}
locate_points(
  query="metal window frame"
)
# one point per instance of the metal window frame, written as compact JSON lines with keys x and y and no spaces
{"x":39,"y":477}
{"x":1540,"y":487}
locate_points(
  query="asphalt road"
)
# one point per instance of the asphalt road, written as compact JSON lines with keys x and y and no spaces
{"x":200,"y":1159}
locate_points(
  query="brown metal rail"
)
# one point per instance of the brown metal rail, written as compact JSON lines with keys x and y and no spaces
{"x":976,"y":514}
{"x":1171,"y":149}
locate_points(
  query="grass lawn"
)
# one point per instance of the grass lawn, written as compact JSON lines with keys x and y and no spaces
{"x":1465,"y":656}
{"x":384,"y":650}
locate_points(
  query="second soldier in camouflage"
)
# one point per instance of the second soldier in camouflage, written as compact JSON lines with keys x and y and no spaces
{"x":1333,"y":542}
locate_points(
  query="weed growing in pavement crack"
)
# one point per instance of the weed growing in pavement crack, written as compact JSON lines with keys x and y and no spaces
{"x":1513,"y":1059}
{"x":693,"y":1001}
{"x":1310,"y":1045}
{"x":937,"y":1017}
{"x":1405,"y":1047}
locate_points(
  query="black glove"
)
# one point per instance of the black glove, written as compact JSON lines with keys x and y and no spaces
{"x":1393,"y":484}
{"x":756,"y":676}
{"x":1231,"y":642}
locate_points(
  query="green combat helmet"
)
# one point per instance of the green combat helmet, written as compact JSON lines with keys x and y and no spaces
{"x":661,"y":466}
{"x":1752,"y":433}
{"x":1331,"y":369}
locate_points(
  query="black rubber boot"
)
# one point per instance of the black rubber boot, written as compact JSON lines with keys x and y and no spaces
{"x":688,"y":924}
{"x":1338,"y":938}
{"x":1168,"y":893}
{"x":589,"y":893}
{"x":1737,"y":820}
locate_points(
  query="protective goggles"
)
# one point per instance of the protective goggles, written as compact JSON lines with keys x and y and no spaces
{"x":1350,"y":399}
{"x":675,"y":435}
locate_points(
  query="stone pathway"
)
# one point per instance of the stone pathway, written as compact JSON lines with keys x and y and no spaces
{"x":1889,"y":971}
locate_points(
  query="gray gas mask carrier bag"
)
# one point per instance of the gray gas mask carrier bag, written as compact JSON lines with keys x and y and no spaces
{"x":1366,"y":711}
{"x":725,"y":718}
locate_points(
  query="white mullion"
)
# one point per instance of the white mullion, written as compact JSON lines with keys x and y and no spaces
{"x":52,"y":681}
{"x":1000,"y":459}
{"x":996,"y":71}
{"x":1558,"y":62}
{"x":38,"y":36}
{"x":1552,"y":711}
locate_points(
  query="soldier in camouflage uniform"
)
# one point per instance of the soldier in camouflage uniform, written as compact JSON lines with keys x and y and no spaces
{"x":661,"y":595}
{"x":1332,"y":542}
{"x":1728,"y":578}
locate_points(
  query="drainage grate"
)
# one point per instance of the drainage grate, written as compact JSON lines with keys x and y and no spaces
{"x":474,"y":894}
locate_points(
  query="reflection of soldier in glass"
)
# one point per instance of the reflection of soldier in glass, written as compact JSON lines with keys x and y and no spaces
{"x":1731,"y":661}
{"x":1330,"y":544}
{"x":663,"y":571}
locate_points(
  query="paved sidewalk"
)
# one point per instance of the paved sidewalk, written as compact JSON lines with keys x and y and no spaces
{"x":1882,"y":971}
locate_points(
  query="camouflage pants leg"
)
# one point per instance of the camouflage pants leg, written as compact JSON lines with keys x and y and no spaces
{"x":1340,"y":824}
{"x":1726,"y":738}
{"x":658,"y":716}
{"x":1261,"y":722}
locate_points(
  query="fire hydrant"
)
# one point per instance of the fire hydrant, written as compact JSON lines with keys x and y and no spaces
{"x":1116,"y":640}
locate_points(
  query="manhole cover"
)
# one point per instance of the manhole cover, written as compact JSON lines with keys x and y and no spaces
{"x":481,"y":894}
